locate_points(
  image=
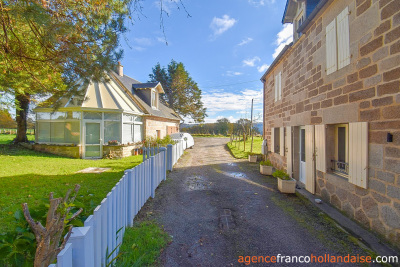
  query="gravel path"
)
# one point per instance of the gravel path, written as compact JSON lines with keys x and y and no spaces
{"x":218,"y":208}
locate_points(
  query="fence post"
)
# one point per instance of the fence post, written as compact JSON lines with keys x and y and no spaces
{"x":148,"y":152}
{"x":144,"y":153}
{"x":64,"y":258}
{"x":130,"y":196}
{"x":169,"y":157}
{"x":163,"y":152}
{"x":152,"y":177}
{"x":82,"y":245}
{"x":104,"y":230}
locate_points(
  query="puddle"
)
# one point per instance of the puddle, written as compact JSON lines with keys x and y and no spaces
{"x":226,"y":221}
{"x":232,"y":164}
{"x":197,"y":183}
{"x":238,"y":175}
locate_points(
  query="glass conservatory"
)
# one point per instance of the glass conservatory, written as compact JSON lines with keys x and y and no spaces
{"x":106,"y":116}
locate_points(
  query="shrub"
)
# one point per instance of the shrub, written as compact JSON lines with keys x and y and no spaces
{"x":266,"y":163}
{"x":281,"y":175}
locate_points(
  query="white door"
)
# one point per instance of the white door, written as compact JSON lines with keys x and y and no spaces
{"x":302,"y":154}
{"x":93,"y":146}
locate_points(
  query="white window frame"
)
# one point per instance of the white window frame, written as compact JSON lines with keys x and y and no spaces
{"x":154,"y":99}
{"x":298,"y":21}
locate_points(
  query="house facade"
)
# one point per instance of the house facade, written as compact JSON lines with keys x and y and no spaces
{"x":332,"y":107}
{"x":109,"y":117}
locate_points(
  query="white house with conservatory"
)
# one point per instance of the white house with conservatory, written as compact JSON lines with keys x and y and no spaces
{"x":114,"y":115}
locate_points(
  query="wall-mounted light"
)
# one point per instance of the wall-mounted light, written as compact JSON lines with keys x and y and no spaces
{"x":389,"y":138}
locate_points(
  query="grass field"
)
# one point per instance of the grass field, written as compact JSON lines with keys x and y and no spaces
{"x":142,"y":245}
{"x":7,"y":138}
{"x":237,"y":148}
{"x":29,"y":176}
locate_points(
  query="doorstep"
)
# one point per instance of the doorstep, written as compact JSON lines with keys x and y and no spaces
{"x":352,"y":227}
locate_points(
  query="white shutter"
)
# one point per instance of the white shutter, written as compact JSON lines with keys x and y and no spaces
{"x":343,"y":38}
{"x":331,"y":52}
{"x":276,"y":87}
{"x":358,"y":153}
{"x":289,"y":150}
{"x":273,"y":140}
{"x":320,"y":161}
{"x":280,"y":86}
{"x":310,"y":163}
{"x":282,"y":141}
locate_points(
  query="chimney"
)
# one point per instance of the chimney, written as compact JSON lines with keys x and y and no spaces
{"x":120,"y":69}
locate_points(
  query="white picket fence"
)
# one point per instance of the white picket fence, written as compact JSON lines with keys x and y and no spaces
{"x":98,"y":241}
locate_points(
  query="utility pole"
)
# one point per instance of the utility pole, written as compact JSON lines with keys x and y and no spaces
{"x":251,"y":127}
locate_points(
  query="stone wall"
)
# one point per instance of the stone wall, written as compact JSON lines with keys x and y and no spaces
{"x":120,"y":151}
{"x":61,"y":150}
{"x":366,"y":90}
{"x":154,"y":124}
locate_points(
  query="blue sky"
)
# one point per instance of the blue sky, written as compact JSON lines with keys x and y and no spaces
{"x":225,"y":45}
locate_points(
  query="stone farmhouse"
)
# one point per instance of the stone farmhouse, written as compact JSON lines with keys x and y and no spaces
{"x":110,"y":116}
{"x":332,"y":107}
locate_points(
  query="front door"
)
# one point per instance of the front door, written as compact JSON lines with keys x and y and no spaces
{"x":302,"y":156}
{"x":93,"y":145}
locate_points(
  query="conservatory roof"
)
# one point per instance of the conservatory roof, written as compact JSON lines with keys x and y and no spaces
{"x":100,"y":95}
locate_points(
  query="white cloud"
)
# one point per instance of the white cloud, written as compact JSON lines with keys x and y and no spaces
{"x":284,"y":37}
{"x":139,"y":48}
{"x":167,"y":5}
{"x":245,"y":41}
{"x":263,"y":68}
{"x":228,"y":101}
{"x":213,"y":120}
{"x":251,"y":61}
{"x":261,"y":2}
{"x":220,"y":25}
{"x":233,"y":73}
{"x":143,"y":41}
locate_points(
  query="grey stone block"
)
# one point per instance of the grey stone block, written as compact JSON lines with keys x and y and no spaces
{"x":390,"y":217}
{"x":377,"y":186}
{"x":393,"y":191}
{"x":376,"y":156}
{"x":385,"y":176}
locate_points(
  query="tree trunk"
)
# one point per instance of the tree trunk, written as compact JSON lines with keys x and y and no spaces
{"x":22,"y":102}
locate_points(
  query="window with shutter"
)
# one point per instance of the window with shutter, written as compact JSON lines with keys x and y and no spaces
{"x":276,"y":88}
{"x":358,"y":153}
{"x":343,"y":38}
{"x":331,"y":56}
{"x":282,"y":141}
{"x":273,"y":140}
{"x":320,"y":151}
{"x":289,"y":150}
{"x":280,"y":86}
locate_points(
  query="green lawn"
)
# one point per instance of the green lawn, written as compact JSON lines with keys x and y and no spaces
{"x":7,"y":138}
{"x":29,"y":176}
{"x":142,"y":245}
{"x":237,"y":148}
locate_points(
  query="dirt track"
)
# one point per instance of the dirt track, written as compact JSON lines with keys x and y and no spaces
{"x":218,"y":208}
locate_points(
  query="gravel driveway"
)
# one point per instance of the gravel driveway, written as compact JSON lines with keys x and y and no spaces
{"x":218,"y":208}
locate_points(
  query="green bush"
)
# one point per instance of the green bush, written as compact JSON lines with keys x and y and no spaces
{"x":281,"y":175}
{"x":266,"y":163}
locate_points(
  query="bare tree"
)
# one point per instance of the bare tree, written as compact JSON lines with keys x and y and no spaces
{"x":48,"y":238}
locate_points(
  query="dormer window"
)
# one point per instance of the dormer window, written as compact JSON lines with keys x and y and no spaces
{"x":298,"y":21}
{"x":154,"y":99}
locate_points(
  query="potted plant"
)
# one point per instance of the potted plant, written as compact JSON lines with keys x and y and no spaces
{"x":285,"y":183}
{"x":253,"y":157}
{"x":266,"y":167}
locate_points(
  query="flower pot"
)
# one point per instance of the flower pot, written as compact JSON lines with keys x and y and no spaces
{"x":287,"y":186}
{"x":266,"y":170}
{"x":253,"y":158}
